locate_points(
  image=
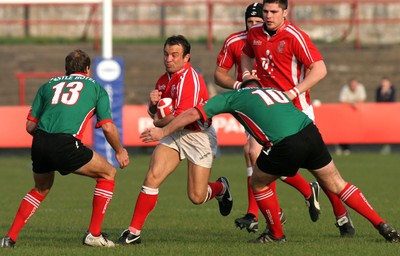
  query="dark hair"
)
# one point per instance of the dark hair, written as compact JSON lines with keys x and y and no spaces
{"x":179,"y":40}
{"x":76,"y":61}
{"x":250,"y":82}
{"x":282,"y":3}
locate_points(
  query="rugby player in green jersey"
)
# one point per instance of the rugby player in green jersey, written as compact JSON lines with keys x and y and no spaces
{"x":290,"y":141}
{"x":58,"y":117}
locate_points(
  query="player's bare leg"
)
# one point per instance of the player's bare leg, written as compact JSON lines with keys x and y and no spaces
{"x":268,"y":203}
{"x":29,"y":204}
{"x":163,"y":162}
{"x":250,"y":220}
{"x":104,"y":173}
{"x":330,"y":179}
{"x":197,"y":184}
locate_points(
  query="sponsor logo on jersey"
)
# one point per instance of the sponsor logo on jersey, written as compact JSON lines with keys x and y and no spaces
{"x":257,"y":42}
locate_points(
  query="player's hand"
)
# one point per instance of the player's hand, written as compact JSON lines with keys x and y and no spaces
{"x":155,"y":96}
{"x":153,"y":134}
{"x":122,"y":158}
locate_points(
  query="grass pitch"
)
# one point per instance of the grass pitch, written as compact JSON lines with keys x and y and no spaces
{"x":176,"y":227}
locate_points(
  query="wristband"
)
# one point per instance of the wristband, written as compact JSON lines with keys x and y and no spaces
{"x":149,"y":110}
{"x":297,"y":90}
{"x":245,"y":73}
{"x":150,"y":113}
{"x":293,"y":92}
{"x":236,"y":85}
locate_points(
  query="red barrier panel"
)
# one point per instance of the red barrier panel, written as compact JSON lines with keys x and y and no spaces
{"x":12,"y":129}
{"x":370,"y":123}
{"x":135,"y":121}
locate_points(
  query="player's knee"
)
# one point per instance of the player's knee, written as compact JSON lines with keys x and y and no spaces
{"x":109,"y":173}
{"x":113,"y":172}
{"x":151,"y":179}
{"x":252,"y":182}
{"x":196,"y":198}
{"x":256,"y":184}
{"x":254,"y":153}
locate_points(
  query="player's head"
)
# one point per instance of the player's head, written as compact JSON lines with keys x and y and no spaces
{"x":176,"y":53}
{"x":253,"y":15}
{"x":77,"y":61}
{"x":178,"y":40}
{"x":251,"y":83}
{"x":274,"y":13}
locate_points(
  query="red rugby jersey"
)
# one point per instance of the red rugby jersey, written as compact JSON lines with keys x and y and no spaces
{"x":282,"y":59}
{"x":231,"y":53}
{"x":188,"y":89}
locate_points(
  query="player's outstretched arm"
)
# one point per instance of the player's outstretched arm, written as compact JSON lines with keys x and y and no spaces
{"x":155,"y":134}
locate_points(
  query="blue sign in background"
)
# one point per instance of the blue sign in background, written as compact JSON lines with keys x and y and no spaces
{"x":110,"y":74}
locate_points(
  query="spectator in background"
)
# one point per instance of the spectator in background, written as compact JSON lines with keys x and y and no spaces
{"x":352,"y":93}
{"x":385,"y":92}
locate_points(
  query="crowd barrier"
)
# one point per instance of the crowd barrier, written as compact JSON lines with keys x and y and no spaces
{"x":369,"y":123}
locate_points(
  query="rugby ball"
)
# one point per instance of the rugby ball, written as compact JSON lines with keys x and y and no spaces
{"x":165,"y":107}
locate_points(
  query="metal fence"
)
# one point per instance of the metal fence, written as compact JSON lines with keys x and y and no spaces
{"x":359,"y":21}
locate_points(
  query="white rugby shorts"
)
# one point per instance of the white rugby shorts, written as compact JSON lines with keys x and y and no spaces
{"x":199,"y":147}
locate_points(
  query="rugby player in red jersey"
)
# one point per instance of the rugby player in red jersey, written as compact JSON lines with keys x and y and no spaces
{"x":197,"y":141}
{"x":229,"y":57}
{"x":287,"y":60}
